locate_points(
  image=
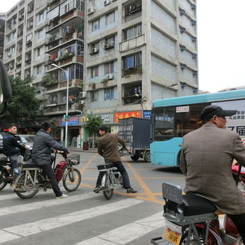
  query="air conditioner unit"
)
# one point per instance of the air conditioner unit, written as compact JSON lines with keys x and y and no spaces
{"x":110,"y":76}
{"x":82,"y":94}
{"x":106,"y":3}
{"x":90,"y":10}
{"x":107,"y":45}
{"x":9,"y":54}
{"x":95,"y":50}
{"x":82,"y":102}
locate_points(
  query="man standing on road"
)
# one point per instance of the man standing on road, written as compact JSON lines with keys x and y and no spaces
{"x":107,"y":148}
{"x":41,"y":155}
{"x":206,"y":159}
{"x":11,"y":148}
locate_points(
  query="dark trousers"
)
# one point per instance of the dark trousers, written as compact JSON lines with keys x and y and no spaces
{"x":239,"y":221}
{"x":123,"y":172}
{"x":47,"y":169}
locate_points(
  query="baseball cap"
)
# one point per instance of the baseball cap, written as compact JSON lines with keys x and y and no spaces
{"x":209,"y":111}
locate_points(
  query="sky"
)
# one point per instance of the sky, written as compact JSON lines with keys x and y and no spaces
{"x":221,"y":43}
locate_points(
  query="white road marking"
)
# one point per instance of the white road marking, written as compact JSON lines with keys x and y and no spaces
{"x":42,"y":204}
{"x":14,"y":232}
{"x":129,"y":232}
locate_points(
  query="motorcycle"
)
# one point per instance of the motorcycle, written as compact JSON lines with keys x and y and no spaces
{"x":111,"y":177}
{"x":193,"y":220}
{"x":31,"y":177}
{"x":6,"y":172}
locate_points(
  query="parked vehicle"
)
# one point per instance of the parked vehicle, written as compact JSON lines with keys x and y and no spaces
{"x":192,"y":219}
{"x":26,"y":139}
{"x":111,"y":179}
{"x":31,"y":178}
{"x":136,"y":132}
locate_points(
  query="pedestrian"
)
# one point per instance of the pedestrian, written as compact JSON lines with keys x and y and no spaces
{"x":43,"y":146}
{"x":107,"y":148}
{"x":11,"y":148}
{"x":206,"y":159}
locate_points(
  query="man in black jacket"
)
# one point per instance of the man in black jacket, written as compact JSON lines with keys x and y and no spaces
{"x":11,"y":148}
{"x":41,"y":155}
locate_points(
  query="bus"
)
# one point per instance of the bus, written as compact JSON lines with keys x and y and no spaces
{"x":172,"y":118}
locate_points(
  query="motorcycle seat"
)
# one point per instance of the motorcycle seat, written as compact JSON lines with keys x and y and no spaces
{"x":29,"y":165}
{"x":191,"y":205}
{"x":106,"y":166}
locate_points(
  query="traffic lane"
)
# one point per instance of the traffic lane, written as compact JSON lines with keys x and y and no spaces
{"x":145,"y":177}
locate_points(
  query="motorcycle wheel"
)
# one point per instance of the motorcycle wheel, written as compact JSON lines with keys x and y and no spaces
{"x":72,"y":180}
{"x":3,"y":177}
{"x":108,"y":191}
{"x":21,"y":192}
{"x":193,"y":239}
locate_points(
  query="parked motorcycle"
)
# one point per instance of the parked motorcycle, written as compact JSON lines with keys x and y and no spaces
{"x":193,"y":220}
{"x":31,"y":178}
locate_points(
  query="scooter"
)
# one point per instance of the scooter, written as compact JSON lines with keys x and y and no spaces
{"x":193,"y":220}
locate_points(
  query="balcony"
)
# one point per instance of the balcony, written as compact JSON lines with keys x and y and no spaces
{"x":132,"y":43}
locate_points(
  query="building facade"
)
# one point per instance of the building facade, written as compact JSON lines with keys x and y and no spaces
{"x":138,"y":51}
{"x":116,"y":56}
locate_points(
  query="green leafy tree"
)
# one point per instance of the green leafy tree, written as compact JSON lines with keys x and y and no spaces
{"x":23,"y":105}
{"x":92,"y":124}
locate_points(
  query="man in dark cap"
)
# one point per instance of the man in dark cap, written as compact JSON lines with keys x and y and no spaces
{"x":43,"y":146}
{"x":206,"y":159}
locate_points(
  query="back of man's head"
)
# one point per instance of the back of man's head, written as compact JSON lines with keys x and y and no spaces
{"x":12,"y":125}
{"x":45,"y":126}
{"x":103,"y":128}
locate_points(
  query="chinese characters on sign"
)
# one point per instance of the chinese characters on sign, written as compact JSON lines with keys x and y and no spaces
{"x":72,"y":121}
{"x":122,"y":115}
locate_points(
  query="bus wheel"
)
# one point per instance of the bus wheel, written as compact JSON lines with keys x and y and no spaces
{"x":135,"y":158}
{"x":147,"y":156}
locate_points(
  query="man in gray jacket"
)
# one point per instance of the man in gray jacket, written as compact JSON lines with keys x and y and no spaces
{"x":41,"y":155}
{"x":206,"y":159}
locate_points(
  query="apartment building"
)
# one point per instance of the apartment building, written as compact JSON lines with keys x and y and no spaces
{"x":2,"y":27}
{"x":138,"y":51}
{"x":39,"y":35}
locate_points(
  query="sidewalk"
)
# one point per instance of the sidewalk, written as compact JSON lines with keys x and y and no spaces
{"x":74,"y":149}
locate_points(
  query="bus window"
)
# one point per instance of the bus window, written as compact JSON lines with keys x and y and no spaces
{"x":188,"y":121}
{"x":164,"y":124}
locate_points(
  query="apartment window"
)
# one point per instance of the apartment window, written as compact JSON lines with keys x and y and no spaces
{"x":109,"y":93}
{"x":109,"y":68}
{"x":66,"y":7}
{"x":95,"y":25}
{"x":94,"y":71}
{"x":29,"y":38}
{"x":39,"y":70}
{"x":40,"y":34}
{"x":94,"y":96}
{"x":132,"y":32}
{"x":38,"y":52}
{"x":11,"y":36}
{"x":110,"y":18}
{"x":41,"y":16}
{"x":132,"y":61}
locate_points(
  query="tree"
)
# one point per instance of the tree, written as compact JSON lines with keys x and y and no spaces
{"x":92,"y":124}
{"x":23,"y":105}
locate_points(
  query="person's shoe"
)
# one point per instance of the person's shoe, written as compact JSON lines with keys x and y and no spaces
{"x":97,"y":189}
{"x":131,"y":190}
{"x":63,"y":196}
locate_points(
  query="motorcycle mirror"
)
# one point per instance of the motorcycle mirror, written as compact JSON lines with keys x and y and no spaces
{"x":5,"y":89}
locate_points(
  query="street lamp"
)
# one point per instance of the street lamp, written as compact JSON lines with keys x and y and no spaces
{"x":67,"y":101}
{"x":170,"y":85}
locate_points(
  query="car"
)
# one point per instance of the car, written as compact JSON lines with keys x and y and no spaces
{"x":26,"y":139}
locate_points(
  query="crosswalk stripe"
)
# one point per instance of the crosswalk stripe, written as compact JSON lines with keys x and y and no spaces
{"x":129,"y":232}
{"x":43,"y":204}
{"x":12,"y":233}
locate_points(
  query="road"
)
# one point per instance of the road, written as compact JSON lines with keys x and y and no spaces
{"x":86,"y":217}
